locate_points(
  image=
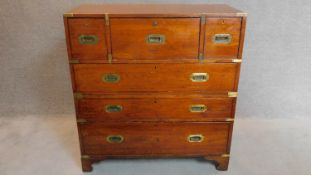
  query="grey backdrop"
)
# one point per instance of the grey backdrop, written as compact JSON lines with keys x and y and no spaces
{"x":275,"y":78}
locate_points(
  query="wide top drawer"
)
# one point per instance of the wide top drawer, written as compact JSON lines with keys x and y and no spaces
{"x":155,"y":38}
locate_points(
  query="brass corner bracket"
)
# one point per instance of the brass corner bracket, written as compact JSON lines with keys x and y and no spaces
{"x":109,"y":58}
{"x":78,"y":95}
{"x":225,"y":155}
{"x":203,"y":19}
{"x":232,"y":94}
{"x":68,"y":15}
{"x":73,"y":61}
{"x":229,"y":119}
{"x":236,"y":60}
{"x":85,"y":157}
{"x":106,"y":19}
{"x":81,"y":121}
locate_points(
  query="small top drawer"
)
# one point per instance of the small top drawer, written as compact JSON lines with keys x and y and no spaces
{"x":155,"y":38}
{"x":222,"y":37}
{"x":87,"y":38}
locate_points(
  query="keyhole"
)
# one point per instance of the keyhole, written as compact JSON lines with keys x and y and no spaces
{"x":154,"y":23}
{"x":223,"y":21}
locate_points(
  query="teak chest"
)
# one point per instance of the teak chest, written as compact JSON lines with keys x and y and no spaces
{"x":155,"y":80}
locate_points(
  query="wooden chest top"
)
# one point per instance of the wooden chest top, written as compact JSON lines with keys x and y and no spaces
{"x":154,"y":10}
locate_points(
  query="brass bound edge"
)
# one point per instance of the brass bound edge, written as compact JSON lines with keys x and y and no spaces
{"x":106,"y":19}
{"x":200,"y":57}
{"x":225,"y":155}
{"x":77,"y":95}
{"x":241,"y":14}
{"x":203,"y":19}
{"x":68,"y":15}
{"x":229,"y":119}
{"x":73,"y":61}
{"x":81,"y":121}
{"x":109,"y":58}
{"x":232,"y":94}
{"x":85,"y":157}
{"x":236,"y":60}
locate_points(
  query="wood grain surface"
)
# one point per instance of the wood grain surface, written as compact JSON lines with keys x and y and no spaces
{"x":154,"y":77}
{"x":87,"y":26}
{"x":181,"y":38}
{"x":155,"y":138}
{"x":155,"y":109}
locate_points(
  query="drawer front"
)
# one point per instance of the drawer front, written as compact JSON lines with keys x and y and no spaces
{"x":155,"y":139}
{"x":87,"y":38}
{"x":155,"y":38}
{"x":155,"y":109}
{"x":155,"y":77}
{"x":222,"y":37}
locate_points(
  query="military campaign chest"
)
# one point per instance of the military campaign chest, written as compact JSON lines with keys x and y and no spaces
{"x":155,"y":80}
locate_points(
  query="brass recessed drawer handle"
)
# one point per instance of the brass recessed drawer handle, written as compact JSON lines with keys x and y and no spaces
{"x":115,"y":139}
{"x":111,"y":78}
{"x":198,"y":108}
{"x":199,"y":77}
{"x":155,"y":39}
{"x":88,"y":39}
{"x":222,"y":38}
{"x":113,"y":108}
{"x":195,"y":138}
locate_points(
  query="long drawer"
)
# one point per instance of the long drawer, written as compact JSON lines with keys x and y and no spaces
{"x":153,"y":108}
{"x":217,"y":77}
{"x":155,"y":138}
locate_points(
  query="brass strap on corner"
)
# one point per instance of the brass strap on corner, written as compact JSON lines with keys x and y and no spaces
{"x":74,"y":61}
{"x":107,"y":23}
{"x":203,"y":19}
{"x":82,"y":121}
{"x":85,"y":157}
{"x":229,"y":119}
{"x":106,"y":19}
{"x":78,"y":95}
{"x":232,"y":94}
{"x":236,"y":60}
{"x":109,"y":56}
{"x":68,"y":15}
{"x":201,"y":57}
{"x":225,"y":155}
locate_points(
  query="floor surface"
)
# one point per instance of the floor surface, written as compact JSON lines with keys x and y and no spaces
{"x":37,"y":145}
